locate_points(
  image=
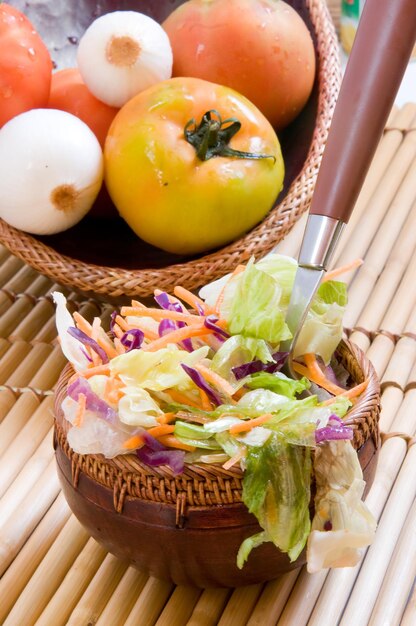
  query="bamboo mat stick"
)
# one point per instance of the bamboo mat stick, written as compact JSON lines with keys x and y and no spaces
{"x":240,"y":605}
{"x":387,"y":278}
{"x":47,"y":375}
{"x":4,"y":346}
{"x":25,"y":443}
{"x":24,"y":565}
{"x":272,"y":600}
{"x":20,"y":281}
{"x":21,"y":524}
{"x":60,"y":606}
{"x":16,"y":418}
{"x":49,"y":574}
{"x":389,"y":184}
{"x":35,"y":320}
{"x":123,"y":598}
{"x":399,"y":578}
{"x":27,"y":369}
{"x":98,"y":592}
{"x":9,"y":267}
{"x":370,"y":578}
{"x":150,"y":603}
{"x":179,"y":607}
{"x":384,"y":154}
{"x":16,"y":353}
{"x":291,"y":243}
{"x":22,"y":306}
{"x":401,"y":362}
{"x":302,"y":599}
{"x":46,"y":334}
{"x":391,"y":399}
{"x":339,"y":582}
{"x":383,"y":244}
{"x":4,"y":253}
{"x":7,"y":400}
{"x":208,"y":609}
{"x":27,"y":478}
{"x":409,"y":615}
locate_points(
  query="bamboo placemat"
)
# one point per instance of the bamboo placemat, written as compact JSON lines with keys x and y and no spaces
{"x":52,"y":573}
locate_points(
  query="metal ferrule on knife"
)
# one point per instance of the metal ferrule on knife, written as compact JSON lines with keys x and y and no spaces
{"x":319,"y":242}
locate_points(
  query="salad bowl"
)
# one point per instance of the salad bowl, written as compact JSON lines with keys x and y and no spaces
{"x":187,"y":528}
{"x":101,"y":256}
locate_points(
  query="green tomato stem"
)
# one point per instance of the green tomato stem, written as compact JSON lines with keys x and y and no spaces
{"x":211,"y":137}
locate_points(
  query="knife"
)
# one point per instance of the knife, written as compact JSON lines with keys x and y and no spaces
{"x":381,"y":51}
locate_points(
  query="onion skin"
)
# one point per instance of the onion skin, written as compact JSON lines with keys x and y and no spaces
{"x":52,"y":171}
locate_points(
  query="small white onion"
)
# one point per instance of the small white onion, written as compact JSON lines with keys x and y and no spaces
{"x":51,"y":168}
{"x":121,"y":54}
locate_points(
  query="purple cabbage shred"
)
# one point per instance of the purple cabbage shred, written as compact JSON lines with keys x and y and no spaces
{"x":132,"y":339}
{"x":334,"y":430}
{"x":93,"y":402}
{"x":252,"y":367}
{"x":87,"y":341}
{"x":200,"y":382}
{"x":175,"y":459}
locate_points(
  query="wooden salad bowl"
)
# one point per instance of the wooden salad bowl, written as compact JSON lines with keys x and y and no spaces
{"x":101,"y":256}
{"x":188,"y":528}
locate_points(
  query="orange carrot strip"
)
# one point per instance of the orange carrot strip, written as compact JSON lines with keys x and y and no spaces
{"x":122,"y":323}
{"x":112,"y":390}
{"x":125,"y":326}
{"x":215,"y":379}
{"x":82,"y":323}
{"x":183,"y":398}
{"x":206,"y":404}
{"x":162,"y":429}
{"x":119,"y":346}
{"x":79,"y":416}
{"x":166,"y":418}
{"x":93,"y":371}
{"x":177,"y":335}
{"x":315,"y":374}
{"x":133,"y":442}
{"x":117,"y":331}
{"x":220,"y":299}
{"x":193,"y":300}
{"x":160,"y":314}
{"x":354,"y":392}
{"x":343,"y":269}
{"x":234,"y":459}
{"x":172,"y":442}
{"x":247,"y":425}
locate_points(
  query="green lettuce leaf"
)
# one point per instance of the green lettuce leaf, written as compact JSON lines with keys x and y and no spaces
{"x":276,"y":489}
{"x":279,"y":383}
{"x":238,"y":350}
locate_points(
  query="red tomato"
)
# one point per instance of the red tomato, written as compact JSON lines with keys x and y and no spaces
{"x":25,"y":65}
{"x":261,"y":48}
{"x":69,"y":93}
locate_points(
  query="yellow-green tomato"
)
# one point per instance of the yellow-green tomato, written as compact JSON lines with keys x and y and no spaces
{"x":192,"y":165}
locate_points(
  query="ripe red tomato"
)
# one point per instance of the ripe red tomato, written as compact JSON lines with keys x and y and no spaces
{"x":261,"y":48}
{"x":70,"y":93}
{"x":25,"y":65}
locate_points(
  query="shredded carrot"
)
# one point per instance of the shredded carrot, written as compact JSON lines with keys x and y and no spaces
{"x":234,"y":459}
{"x":206,"y":404}
{"x":93,"y":371}
{"x":315,"y":374}
{"x":117,"y":331}
{"x":162,"y":429}
{"x":133,"y":442}
{"x":82,"y":323}
{"x":160,"y":314}
{"x":112,"y":390}
{"x":125,"y":326}
{"x":343,"y":269}
{"x":166,"y":418}
{"x":82,"y":402}
{"x":172,"y":442}
{"x":183,"y":398}
{"x":193,"y":300}
{"x":119,"y":346}
{"x":220,"y":299}
{"x":354,"y":392}
{"x":177,"y":335}
{"x":247,"y":425}
{"x":215,"y":379}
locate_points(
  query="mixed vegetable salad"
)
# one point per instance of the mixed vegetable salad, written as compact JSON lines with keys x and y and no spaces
{"x":198,"y":380}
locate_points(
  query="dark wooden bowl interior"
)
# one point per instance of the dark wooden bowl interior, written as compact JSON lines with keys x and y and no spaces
{"x":102,"y":237}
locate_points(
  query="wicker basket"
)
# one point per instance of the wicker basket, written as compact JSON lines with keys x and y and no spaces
{"x":135,"y":268}
{"x":188,"y":528}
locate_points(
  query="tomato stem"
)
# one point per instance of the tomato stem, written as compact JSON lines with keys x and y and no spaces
{"x":211,"y":137}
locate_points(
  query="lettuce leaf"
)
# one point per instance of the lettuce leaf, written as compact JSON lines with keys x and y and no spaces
{"x":238,"y":350}
{"x":276,"y":489}
{"x":279,"y":383}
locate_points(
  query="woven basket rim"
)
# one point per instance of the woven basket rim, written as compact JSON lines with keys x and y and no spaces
{"x":127,"y":470}
{"x":115,"y":282}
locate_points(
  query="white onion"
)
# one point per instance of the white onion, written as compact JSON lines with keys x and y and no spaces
{"x":51,"y":168}
{"x":123,"y":53}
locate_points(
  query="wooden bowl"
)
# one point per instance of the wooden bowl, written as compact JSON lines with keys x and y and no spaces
{"x":102,"y":256}
{"x":188,"y":528}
